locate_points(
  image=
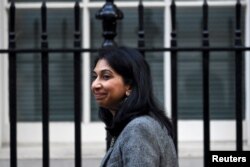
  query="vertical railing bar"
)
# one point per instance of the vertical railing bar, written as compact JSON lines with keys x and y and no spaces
{"x":238,"y":78}
{"x":174,"y":91}
{"x":77,"y":86}
{"x":12,"y":87}
{"x":205,"y":65}
{"x":141,"y":40}
{"x":45,"y":87}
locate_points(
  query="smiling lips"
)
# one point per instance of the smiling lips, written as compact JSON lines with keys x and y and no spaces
{"x":99,"y":96}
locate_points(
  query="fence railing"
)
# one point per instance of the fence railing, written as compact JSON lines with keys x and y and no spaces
{"x":109,"y":26}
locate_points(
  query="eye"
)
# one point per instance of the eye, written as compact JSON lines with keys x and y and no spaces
{"x":106,"y":77}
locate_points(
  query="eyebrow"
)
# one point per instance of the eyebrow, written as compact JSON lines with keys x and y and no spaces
{"x":102,"y":71}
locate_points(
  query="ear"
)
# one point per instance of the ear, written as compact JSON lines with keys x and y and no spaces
{"x":128,"y":90}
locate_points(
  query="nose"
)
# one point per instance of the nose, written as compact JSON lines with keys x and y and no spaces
{"x":96,"y":84}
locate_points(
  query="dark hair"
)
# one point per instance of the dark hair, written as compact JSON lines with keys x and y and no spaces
{"x":134,"y":69}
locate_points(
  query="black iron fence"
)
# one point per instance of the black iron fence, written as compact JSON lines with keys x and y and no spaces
{"x":109,"y":13}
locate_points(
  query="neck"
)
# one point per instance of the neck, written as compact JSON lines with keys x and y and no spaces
{"x":117,"y":107}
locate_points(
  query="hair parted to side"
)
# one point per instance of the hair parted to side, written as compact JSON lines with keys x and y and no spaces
{"x":131,"y":65}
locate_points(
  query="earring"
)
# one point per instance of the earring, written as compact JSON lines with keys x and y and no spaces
{"x":127,"y":93}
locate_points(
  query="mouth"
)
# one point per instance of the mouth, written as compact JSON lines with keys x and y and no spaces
{"x":99,"y":96}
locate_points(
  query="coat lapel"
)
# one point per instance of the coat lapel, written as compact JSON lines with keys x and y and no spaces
{"x":106,"y":157}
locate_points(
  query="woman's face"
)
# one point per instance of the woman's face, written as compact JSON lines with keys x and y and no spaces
{"x":108,"y":86}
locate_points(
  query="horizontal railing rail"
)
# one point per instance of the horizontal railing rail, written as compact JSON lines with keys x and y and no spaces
{"x":179,"y":49}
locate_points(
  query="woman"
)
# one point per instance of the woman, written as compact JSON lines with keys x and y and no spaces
{"x":142,"y":134}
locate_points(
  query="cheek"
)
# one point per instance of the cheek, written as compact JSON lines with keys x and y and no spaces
{"x":116,"y":89}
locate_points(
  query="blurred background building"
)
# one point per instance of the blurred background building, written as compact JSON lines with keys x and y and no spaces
{"x":157,"y":24}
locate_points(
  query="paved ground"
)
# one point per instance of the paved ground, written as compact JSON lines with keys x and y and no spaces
{"x":62,"y":155}
{"x":53,"y":163}
{"x":89,"y":162}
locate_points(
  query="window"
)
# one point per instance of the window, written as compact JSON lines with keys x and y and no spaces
{"x":60,"y":35}
{"x":222,"y":67}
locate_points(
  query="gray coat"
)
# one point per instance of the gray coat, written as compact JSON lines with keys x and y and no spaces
{"x":142,"y":143}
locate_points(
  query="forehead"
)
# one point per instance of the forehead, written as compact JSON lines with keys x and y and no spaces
{"x":102,"y":64}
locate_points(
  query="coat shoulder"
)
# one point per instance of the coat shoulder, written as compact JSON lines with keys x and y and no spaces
{"x":145,"y":123}
{"x":144,"y":128}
